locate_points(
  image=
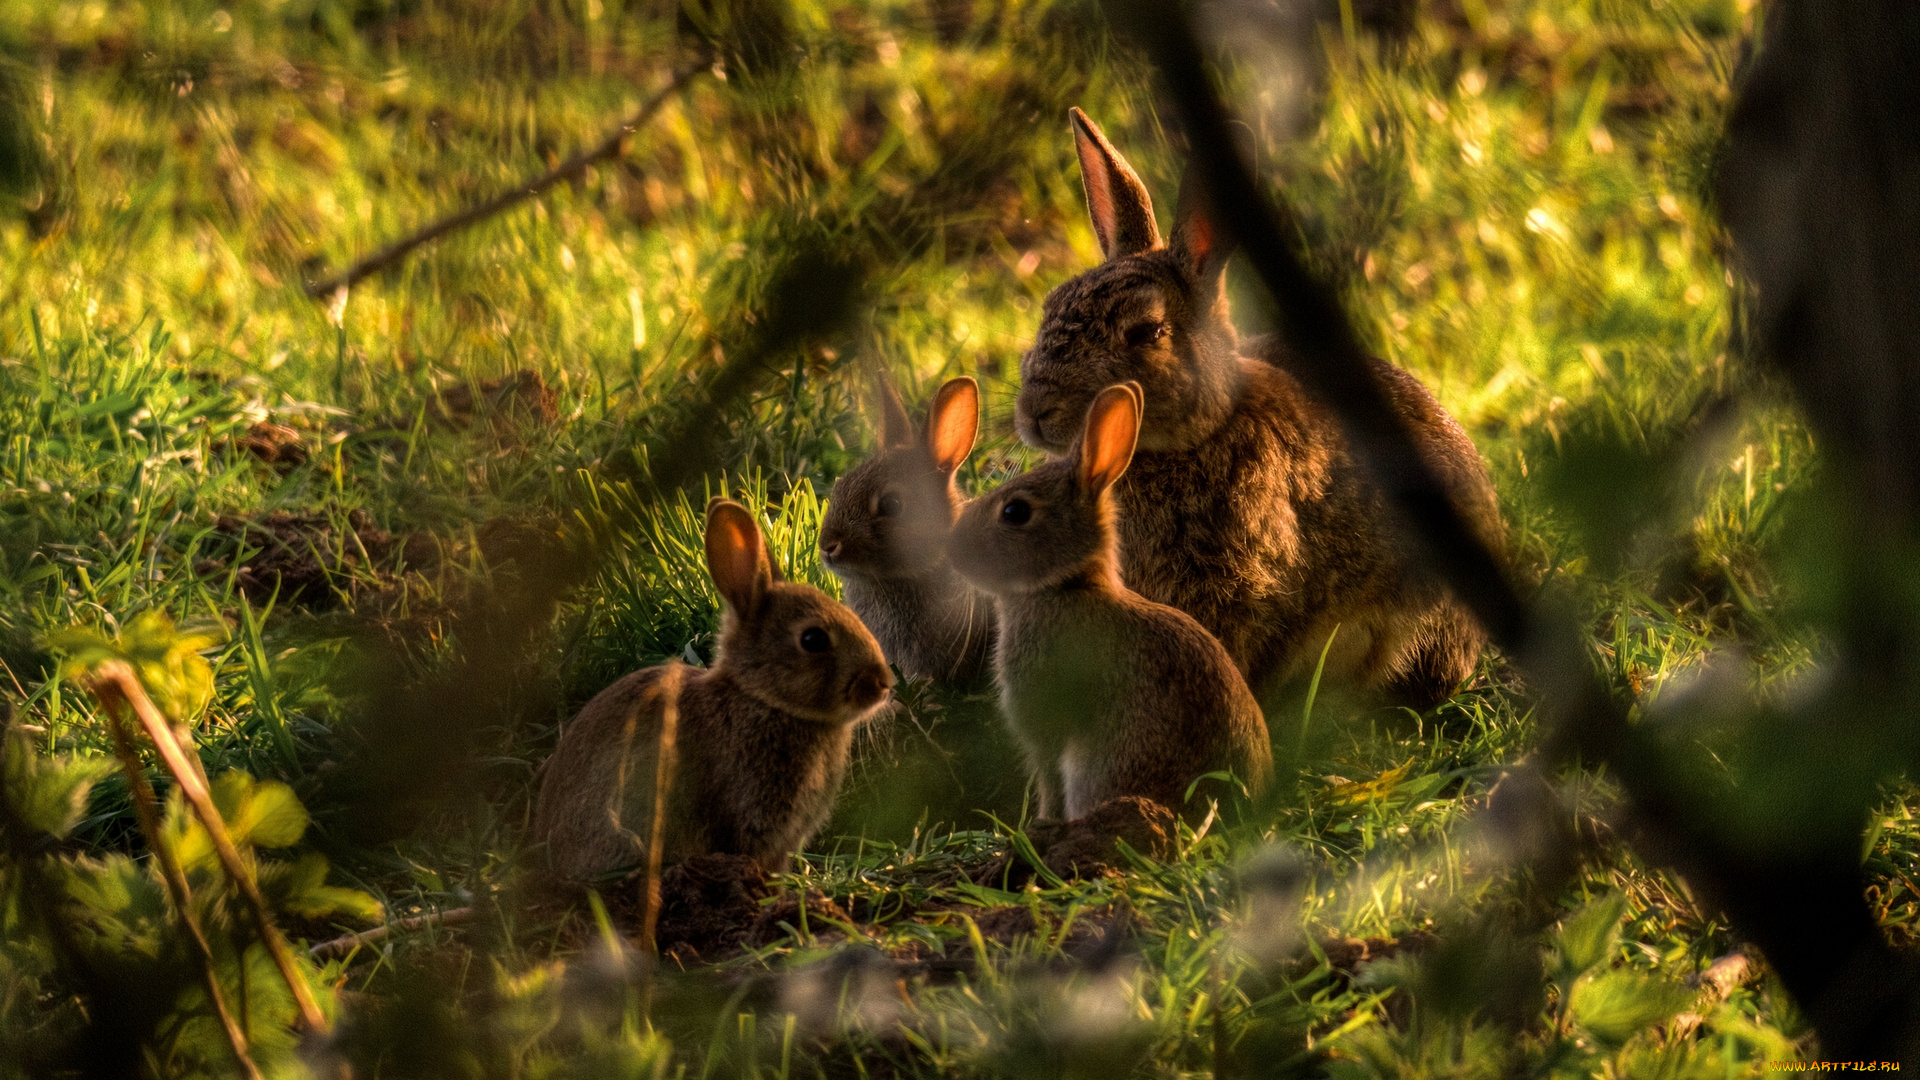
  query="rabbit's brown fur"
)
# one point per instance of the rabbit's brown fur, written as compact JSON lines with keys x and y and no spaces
{"x":1245,"y":507}
{"x":763,"y":735}
{"x":1109,"y":694}
{"x":885,"y":538}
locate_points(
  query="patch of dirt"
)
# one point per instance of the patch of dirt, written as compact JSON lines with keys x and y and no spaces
{"x":1088,"y":846}
{"x":520,"y":397}
{"x":707,"y":905}
{"x":275,"y":444}
{"x":712,"y":906}
{"x":818,"y":912}
{"x":305,"y":556}
{"x":1346,"y":955}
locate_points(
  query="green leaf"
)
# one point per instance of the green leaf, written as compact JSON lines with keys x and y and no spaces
{"x":166,"y":658}
{"x":50,"y":794}
{"x":301,"y":888}
{"x":274,"y":817}
{"x":1614,"y":1006}
{"x":1586,"y":938}
{"x":265,"y":814}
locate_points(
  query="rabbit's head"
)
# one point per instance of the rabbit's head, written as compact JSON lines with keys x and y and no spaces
{"x":1154,"y":313}
{"x":890,"y":516}
{"x":789,"y":646}
{"x":1045,"y":525}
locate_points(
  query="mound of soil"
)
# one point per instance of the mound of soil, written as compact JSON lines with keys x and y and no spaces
{"x":521,"y":397}
{"x":707,"y":905}
{"x":1089,"y":845}
{"x":305,"y":556}
{"x":714,"y":905}
{"x":274,"y":444}
{"x":1347,"y":955}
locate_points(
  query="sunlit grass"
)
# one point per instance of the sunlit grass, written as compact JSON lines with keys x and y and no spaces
{"x":1516,"y":208}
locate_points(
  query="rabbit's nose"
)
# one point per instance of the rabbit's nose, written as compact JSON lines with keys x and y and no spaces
{"x":870,"y":687}
{"x":830,"y":549}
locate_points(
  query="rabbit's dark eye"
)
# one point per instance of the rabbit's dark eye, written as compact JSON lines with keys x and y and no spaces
{"x":813,"y":639}
{"x":1016,"y":512}
{"x":888,"y":506}
{"x":1145,"y":333}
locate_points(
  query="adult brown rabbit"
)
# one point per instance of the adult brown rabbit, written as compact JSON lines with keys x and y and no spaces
{"x":1109,"y":694}
{"x":885,"y":538}
{"x":763,"y":734}
{"x":1245,"y":507}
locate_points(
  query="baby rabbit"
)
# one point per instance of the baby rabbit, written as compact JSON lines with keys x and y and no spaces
{"x":763,"y":734}
{"x":1245,"y":506}
{"x":885,"y":538}
{"x":1109,"y":694}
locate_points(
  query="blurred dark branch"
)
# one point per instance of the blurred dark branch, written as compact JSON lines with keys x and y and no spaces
{"x":1805,"y":908}
{"x":612,"y":146}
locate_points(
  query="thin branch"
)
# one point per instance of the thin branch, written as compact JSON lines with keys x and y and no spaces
{"x":609,"y":147}
{"x":114,"y":679}
{"x":346,"y":943}
{"x":145,"y":808}
{"x":664,"y":764}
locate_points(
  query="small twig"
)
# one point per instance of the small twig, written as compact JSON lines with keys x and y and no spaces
{"x":145,"y":808}
{"x":573,"y":167}
{"x":114,"y":679}
{"x":662,"y":785}
{"x":346,"y":943}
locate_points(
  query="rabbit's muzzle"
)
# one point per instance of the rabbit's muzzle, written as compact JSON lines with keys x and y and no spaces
{"x":1047,"y":425}
{"x":869,"y":687}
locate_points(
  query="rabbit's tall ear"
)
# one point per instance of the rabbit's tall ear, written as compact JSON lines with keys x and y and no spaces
{"x":896,"y":428}
{"x":1197,"y":241}
{"x":953,"y":423}
{"x":1113,"y":427}
{"x":737,"y":557}
{"x":1116,"y":199}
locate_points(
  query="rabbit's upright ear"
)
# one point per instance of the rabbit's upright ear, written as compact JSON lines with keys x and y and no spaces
{"x":953,"y":423}
{"x":737,"y":557}
{"x":896,"y":428}
{"x":1118,"y":202}
{"x":1197,"y":241}
{"x":1113,"y":427}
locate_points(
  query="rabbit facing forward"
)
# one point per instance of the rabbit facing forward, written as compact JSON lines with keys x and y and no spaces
{"x":762,"y":736}
{"x":1245,"y":507}
{"x":885,"y":538}
{"x":1109,"y":694}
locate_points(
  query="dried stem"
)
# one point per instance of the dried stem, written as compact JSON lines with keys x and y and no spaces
{"x":346,"y":943}
{"x":664,"y":764}
{"x":115,"y":680}
{"x":572,"y":168}
{"x":145,"y":807}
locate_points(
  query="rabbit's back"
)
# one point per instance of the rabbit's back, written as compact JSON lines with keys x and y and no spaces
{"x":1270,"y":533}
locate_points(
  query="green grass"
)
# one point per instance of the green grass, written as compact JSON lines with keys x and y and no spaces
{"x":1517,"y":207}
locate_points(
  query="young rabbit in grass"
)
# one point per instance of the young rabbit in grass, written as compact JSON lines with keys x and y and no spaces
{"x":1245,"y":507}
{"x":1109,"y":693}
{"x":762,"y":738}
{"x":885,"y":538}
